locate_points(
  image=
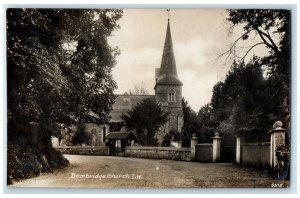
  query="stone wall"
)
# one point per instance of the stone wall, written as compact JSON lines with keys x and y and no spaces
{"x":204,"y":152}
{"x":84,"y":150}
{"x":181,"y":154}
{"x":255,"y":154}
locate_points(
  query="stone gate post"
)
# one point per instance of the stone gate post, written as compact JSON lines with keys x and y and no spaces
{"x":239,"y":141}
{"x":216,"y":147}
{"x":277,"y":139}
{"x":194,"y":141}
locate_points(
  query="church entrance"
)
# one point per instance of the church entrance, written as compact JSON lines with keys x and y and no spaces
{"x":116,"y":147}
{"x":117,"y":141}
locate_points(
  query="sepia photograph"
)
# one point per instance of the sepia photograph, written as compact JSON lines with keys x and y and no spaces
{"x":142,"y":98}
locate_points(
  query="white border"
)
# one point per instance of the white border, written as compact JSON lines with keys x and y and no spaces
{"x":155,"y":4}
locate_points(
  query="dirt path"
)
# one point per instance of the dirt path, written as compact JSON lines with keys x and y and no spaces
{"x":120,"y":172}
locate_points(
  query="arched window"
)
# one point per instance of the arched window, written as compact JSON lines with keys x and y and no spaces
{"x":171,"y":96}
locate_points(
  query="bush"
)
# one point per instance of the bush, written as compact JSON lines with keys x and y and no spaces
{"x":81,"y":137}
{"x":30,"y":161}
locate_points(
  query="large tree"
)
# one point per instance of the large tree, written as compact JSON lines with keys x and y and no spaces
{"x":145,"y":118}
{"x":58,"y":69}
{"x":243,"y":103}
{"x":273,"y":29}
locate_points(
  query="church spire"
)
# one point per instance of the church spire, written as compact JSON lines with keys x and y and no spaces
{"x":167,"y":73}
{"x":168,"y":64}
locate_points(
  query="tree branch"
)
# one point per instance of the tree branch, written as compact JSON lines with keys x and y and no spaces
{"x":233,"y":46}
{"x":262,"y":34}
{"x":272,"y":45}
{"x":251,"y":49}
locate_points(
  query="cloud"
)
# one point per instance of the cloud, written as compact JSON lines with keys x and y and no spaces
{"x":197,"y":70}
{"x":136,"y":66}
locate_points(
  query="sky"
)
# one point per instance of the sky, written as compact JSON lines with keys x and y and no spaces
{"x":198,"y":35}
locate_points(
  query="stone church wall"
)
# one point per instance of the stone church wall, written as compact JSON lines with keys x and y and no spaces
{"x":169,"y":153}
{"x":162,"y":91}
{"x":84,"y":150}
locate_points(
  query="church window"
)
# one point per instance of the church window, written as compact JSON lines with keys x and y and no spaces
{"x":171,"y":97}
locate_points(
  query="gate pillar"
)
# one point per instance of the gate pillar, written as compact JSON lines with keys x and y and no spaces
{"x":239,"y":141}
{"x":216,"y":147}
{"x":277,"y":140}
{"x":194,"y":141}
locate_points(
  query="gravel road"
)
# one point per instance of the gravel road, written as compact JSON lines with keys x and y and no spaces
{"x":121,"y":172}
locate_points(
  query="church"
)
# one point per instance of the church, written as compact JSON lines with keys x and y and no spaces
{"x":168,"y":94}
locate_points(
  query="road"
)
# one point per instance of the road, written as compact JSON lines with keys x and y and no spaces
{"x":121,"y":172}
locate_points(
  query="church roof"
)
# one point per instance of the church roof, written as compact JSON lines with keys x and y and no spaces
{"x":124,"y":103}
{"x":168,"y":72}
{"x":120,"y":135}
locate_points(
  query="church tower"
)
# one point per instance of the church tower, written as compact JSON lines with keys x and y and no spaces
{"x":168,"y":87}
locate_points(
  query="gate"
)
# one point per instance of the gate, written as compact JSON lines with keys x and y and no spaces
{"x":228,"y":149}
{"x":116,"y":148}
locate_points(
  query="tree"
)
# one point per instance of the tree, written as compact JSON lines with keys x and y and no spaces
{"x":273,"y":27}
{"x":81,"y":136}
{"x":206,"y":123}
{"x":58,"y":69}
{"x":190,"y":125}
{"x":243,"y":102}
{"x":145,"y":118}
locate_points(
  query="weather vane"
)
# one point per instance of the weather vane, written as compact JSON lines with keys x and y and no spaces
{"x":168,"y":10}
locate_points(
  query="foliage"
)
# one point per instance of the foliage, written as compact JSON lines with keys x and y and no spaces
{"x":81,"y":136}
{"x":207,"y":123}
{"x":247,"y":102}
{"x":58,"y":68}
{"x":273,"y":27}
{"x":146,"y":118}
{"x":190,"y":124}
{"x":202,"y":124}
{"x":243,"y":104}
{"x":115,"y":126}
